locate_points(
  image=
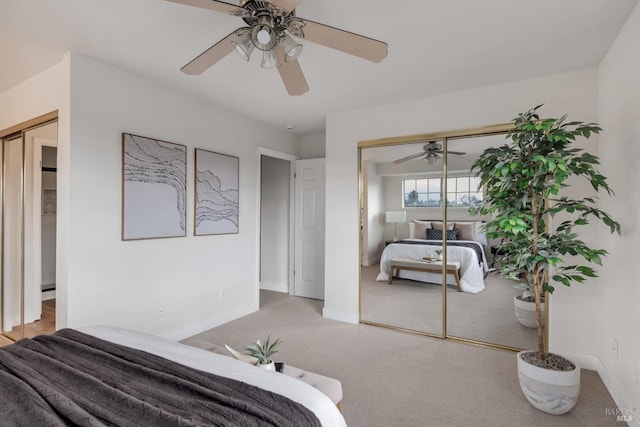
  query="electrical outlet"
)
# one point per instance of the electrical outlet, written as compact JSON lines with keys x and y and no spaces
{"x":161,"y":310}
{"x":224,"y":292}
{"x":614,"y":348}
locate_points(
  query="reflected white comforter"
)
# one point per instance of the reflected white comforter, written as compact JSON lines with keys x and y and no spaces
{"x":471,"y":272}
{"x":296,"y":390}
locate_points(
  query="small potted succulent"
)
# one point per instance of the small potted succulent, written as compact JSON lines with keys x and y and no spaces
{"x":262,"y":351}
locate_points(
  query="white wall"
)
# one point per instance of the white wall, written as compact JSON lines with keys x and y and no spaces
{"x":274,"y":235}
{"x":312,"y":146}
{"x":618,"y":316}
{"x":126,"y":283}
{"x":573,"y":93}
{"x":101,"y":279}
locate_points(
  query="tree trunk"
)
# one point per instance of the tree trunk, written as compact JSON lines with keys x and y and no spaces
{"x":538,"y":297}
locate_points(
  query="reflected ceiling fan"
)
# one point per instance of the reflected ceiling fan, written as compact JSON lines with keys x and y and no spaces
{"x":270,"y":25}
{"x":430,"y":153}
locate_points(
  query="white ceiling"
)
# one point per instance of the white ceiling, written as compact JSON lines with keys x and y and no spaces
{"x":434,"y":47}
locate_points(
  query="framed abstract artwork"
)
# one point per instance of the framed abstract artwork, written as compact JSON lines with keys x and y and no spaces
{"x":154,"y":187}
{"x":216,"y":193}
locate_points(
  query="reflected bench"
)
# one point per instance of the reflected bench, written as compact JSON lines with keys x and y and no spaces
{"x":397,"y":264}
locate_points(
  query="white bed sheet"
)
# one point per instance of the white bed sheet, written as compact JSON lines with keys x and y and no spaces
{"x":471,"y":272}
{"x":296,"y":390}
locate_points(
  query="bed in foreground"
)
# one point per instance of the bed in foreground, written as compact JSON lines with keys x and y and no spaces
{"x":112,"y":376}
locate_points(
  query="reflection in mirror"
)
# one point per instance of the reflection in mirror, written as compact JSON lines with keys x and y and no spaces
{"x":12,"y":243}
{"x":489,"y":314}
{"x":393,"y":195}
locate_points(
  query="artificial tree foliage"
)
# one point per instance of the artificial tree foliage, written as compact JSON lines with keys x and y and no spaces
{"x":525,"y":182}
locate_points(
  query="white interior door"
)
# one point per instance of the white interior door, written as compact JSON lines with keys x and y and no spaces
{"x":309,"y":228}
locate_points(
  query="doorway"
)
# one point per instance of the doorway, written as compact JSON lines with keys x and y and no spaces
{"x":291,"y":224}
{"x":275,"y":223}
{"x":28,"y":219}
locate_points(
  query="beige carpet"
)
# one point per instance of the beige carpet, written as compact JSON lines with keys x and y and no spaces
{"x":486,"y":316}
{"x":392,"y":378}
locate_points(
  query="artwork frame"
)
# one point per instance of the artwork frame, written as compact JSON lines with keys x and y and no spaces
{"x":217,"y":193}
{"x":154,"y":188}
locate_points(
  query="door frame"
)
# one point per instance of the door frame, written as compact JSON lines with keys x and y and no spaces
{"x":263,"y":151}
{"x":38,"y":143}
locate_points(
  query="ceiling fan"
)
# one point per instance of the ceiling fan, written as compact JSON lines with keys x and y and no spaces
{"x":430,"y":153}
{"x":270,"y":25}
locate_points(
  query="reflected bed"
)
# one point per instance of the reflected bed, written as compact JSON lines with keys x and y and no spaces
{"x":472,"y":270}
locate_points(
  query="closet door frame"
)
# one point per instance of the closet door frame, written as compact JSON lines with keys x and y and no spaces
{"x":443,"y":137}
{"x":10,"y":134}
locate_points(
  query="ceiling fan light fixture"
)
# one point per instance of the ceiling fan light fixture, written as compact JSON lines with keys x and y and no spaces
{"x":244,"y":45}
{"x":270,"y":59}
{"x":431,"y":158}
{"x":263,"y":35}
{"x":292,"y":48}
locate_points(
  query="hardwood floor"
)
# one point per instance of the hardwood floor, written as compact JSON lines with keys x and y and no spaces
{"x":45,"y":326}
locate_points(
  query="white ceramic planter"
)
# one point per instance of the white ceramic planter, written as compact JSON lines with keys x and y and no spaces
{"x":554,"y":392}
{"x":269,"y":366}
{"x":526,"y":312}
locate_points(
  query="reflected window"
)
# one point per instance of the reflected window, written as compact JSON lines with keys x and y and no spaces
{"x":423,"y":192}
{"x":462,"y":191}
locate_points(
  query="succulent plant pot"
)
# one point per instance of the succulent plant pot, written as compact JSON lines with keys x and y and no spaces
{"x":551,"y":391}
{"x":526,"y":312}
{"x":268,"y":366}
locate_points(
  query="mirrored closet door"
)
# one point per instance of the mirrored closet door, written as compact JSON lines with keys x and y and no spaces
{"x":399,"y":302}
{"x":28,"y":220}
{"x":415,"y":200}
{"x":12,"y":238}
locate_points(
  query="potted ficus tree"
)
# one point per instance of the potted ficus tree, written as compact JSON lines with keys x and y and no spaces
{"x":526,"y":196}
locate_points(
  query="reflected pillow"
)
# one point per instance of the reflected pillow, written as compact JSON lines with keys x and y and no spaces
{"x":438,"y":225}
{"x":466,"y":230}
{"x":437,"y":234}
{"x":419,"y":229}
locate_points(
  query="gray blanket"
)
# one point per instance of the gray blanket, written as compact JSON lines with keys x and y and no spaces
{"x":71,"y":378}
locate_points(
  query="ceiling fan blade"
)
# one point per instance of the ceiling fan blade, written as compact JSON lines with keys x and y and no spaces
{"x":404,"y":159}
{"x":292,"y":77}
{"x":287,"y":5}
{"x":344,"y":41}
{"x":215,"y":5}
{"x":210,"y":56}
{"x":456,"y":153}
{"x":460,"y":157}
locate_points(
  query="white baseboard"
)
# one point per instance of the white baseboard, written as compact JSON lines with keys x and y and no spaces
{"x":191,"y":330}
{"x":340,"y":315}
{"x":47,"y":295}
{"x":372,"y":261}
{"x":621,"y":400}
